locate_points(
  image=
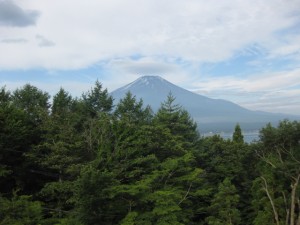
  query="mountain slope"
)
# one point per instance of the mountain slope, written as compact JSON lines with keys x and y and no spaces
{"x":211,"y":114}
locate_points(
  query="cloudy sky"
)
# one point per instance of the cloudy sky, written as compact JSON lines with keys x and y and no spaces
{"x":245,"y":51}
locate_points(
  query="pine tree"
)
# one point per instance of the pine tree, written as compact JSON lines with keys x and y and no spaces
{"x":223,"y":207}
{"x":59,"y":155}
{"x":237,"y":135}
{"x":97,"y":100}
{"x":20,"y":210}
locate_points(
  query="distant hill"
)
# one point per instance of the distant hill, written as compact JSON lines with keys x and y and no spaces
{"x":211,"y":114}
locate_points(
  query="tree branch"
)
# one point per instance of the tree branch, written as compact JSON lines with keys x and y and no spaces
{"x":186,"y":194}
{"x":271,"y":200}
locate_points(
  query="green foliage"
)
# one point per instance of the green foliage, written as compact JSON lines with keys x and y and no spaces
{"x":33,"y":101}
{"x":237,"y":135}
{"x":93,"y":197}
{"x":62,"y":103}
{"x":5,"y":96}
{"x":279,"y":170}
{"x":223,"y":208}
{"x":19,"y":131}
{"x":20,"y":210}
{"x":97,"y":100}
{"x":79,"y":162}
{"x":130,"y":219}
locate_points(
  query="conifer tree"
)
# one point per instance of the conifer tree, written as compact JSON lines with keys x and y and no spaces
{"x":59,"y":155}
{"x":237,"y":134}
{"x":223,"y":207}
{"x":97,"y":100}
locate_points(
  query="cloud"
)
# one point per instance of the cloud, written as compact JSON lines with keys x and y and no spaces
{"x":43,"y":42}
{"x":171,"y":38}
{"x":284,"y":101}
{"x":14,"y":40}
{"x":273,"y":91}
{"x":119,"y":72}
{"x":198,"y":31}
{"x":13,"y":15}
{"x":144,"y":66}
{"x":264,"y":81}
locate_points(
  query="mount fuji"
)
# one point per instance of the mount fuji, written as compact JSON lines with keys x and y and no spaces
{"x":211,"y":114}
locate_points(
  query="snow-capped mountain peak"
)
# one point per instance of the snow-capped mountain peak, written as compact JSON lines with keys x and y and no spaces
{"x":154,"y":90}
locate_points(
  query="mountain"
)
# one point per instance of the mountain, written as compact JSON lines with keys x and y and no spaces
{"x":211,"y":114}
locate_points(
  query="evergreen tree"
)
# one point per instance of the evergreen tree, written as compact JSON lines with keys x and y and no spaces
{"x":176,"y":179}
{"x":121,"y":161}
{"x":97,"y":100}
{"x":21,"y":116}
{"x":20,"y":210}
{"x":223,"y":208}
{"x":59,"y":155}
{"x":62,"y":103}
{"x":33,"y":101}
{"x":237,"y":135}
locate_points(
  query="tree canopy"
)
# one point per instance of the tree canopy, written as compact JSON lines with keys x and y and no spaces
{"x":89,"y":160}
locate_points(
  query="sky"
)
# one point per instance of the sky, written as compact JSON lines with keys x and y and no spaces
{"x":244,"y":51}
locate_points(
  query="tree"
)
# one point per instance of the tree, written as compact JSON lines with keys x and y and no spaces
{"x":133,"y":179}
{"x":5,"y":96}
{"x":21,"y":115}
{"x":20,"y":210}
{"x":223,"y":207}
{"x":225,"y":159}
{"x":97,"y":100}
{"x":279,"y":154}
{"x":60,"y":155}
{"x":173,"y":140}
{"x":176,"y":131}
{"x":33,"y":101}
{"x":62,"y":103}
{"x":132,"y":111}
{"x":237,"y":135}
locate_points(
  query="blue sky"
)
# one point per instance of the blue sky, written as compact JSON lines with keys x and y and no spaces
{"x":244,"y":51}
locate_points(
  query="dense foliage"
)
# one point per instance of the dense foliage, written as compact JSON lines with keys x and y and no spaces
{"x":87,"y":161}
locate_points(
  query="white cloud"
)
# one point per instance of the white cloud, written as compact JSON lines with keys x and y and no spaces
{"x":13,"y":40}
{"x":122,"y":71}
{"x":273,"y":92}
{"x":86,"y":32}
{"x":172,"y":37}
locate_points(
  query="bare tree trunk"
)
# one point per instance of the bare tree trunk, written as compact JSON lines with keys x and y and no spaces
{"x":298,"y":220}
{"x":271,"y":200}
{"x":287,"y":210}
{"x":293,"y":200}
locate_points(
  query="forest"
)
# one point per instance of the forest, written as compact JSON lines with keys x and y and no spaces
{"x":90,"y":160}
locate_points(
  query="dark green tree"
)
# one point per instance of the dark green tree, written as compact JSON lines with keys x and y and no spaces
{"x":97,"y":100}
{"x":237,"y":134}
{"x":121,"y":160}
{"x":60,"y":155}
{"x":176,"y":179}
{"x":140,"y":185}
{"x":20,"y":210}
{"x":21,"y":116}
{"x":279,"y":174}
{"x":62,"y":103}
{"x":33,"y":101}
{"x":223,"y":208}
